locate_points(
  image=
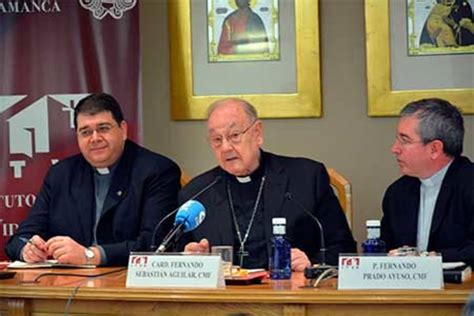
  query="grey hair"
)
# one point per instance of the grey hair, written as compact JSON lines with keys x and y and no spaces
{"x":248,"y":108}
{"x":438,"y":120}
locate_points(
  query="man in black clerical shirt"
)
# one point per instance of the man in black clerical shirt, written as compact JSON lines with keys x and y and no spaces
{"x":252,"y":189}
{"x":98,"y":206}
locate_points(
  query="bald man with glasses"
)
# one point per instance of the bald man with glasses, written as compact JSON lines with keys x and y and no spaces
{"x":253,"y":189}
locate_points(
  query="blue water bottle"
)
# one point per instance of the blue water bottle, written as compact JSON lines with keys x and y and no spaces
{"x":373,"y":244}
{"x":280,"y":251}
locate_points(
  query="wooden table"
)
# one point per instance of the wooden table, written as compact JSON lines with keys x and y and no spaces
{"x":107,"y":295}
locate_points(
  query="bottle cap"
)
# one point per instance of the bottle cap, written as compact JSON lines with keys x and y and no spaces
{"x":372,"y":223}
{"x":279,"y":221}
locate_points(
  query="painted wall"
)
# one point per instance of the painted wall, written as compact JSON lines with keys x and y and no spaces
{"x":344,"y":138}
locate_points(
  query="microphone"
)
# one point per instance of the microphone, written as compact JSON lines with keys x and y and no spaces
{"x":317,"y":272}
{"x":190,"y":215}
{"x":290,"y":197}
{"x":217,"y":179}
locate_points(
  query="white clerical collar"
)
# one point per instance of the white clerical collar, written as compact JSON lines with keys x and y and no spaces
{"x":245,"y":179}
{"x":103,"y":170}
{"x":437,"y":178}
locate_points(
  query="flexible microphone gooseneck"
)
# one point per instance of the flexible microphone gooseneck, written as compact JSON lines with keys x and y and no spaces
{"x":317,"y":272}
{"x":155,"y":230}
{"x":190,"y":215}
{"x":290,"y":197}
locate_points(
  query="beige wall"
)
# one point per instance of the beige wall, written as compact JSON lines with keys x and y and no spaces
{"x":344,"y":138}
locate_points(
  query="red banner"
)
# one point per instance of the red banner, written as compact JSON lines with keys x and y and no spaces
{"x":52,"y":54}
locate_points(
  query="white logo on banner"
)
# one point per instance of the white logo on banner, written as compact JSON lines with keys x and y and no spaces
{"x":29,"y":128}
{"x":100,"y":8}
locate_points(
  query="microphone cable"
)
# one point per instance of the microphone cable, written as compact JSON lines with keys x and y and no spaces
{"x":76,"y":289}
{"x":71,"y":298}
{"x":324,"y":276}
{"x":41,"y":275}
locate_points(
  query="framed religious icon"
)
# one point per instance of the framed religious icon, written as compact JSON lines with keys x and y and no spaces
{"x":395,"y":76}
{"x":440,"y":27}
{"x":243,"y":30}
{"x":263,"y":51}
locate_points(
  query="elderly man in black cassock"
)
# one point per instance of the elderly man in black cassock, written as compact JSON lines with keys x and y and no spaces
{"x":253,"y":189}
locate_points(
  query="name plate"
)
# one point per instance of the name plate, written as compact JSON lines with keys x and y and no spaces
{"x":174,"y":271}
{"x":390,"y":272}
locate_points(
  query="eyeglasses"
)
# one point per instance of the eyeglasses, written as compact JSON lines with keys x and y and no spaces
{"x":102,"y":129}
{"x":233,"y":137}
{"x":404,"y":141}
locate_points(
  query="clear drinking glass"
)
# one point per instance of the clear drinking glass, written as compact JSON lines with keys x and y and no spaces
{"x":227,"y":255}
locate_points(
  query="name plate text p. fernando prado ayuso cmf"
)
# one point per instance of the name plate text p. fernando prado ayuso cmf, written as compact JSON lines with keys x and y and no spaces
{"x":174,"y":271}
{"x":390,"y":272}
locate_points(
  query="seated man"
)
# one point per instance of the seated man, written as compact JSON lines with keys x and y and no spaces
{"x":253,"y":190}
{"x":97,"y":206}
{"x":432,"y":206}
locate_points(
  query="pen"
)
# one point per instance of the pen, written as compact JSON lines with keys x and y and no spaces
{"x":26,"y":240}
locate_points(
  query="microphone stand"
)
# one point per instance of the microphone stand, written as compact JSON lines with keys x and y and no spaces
{"x":155,"y":230}
{"x":317,"y":272}
{"x":173,"y":234}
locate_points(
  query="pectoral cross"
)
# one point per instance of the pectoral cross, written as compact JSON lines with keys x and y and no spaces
{"x":241,"y":254}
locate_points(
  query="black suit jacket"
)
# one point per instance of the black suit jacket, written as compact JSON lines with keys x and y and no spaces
{"x":307,"y":180}
{"x":452,"y":228}
{"x":143,"y":189}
